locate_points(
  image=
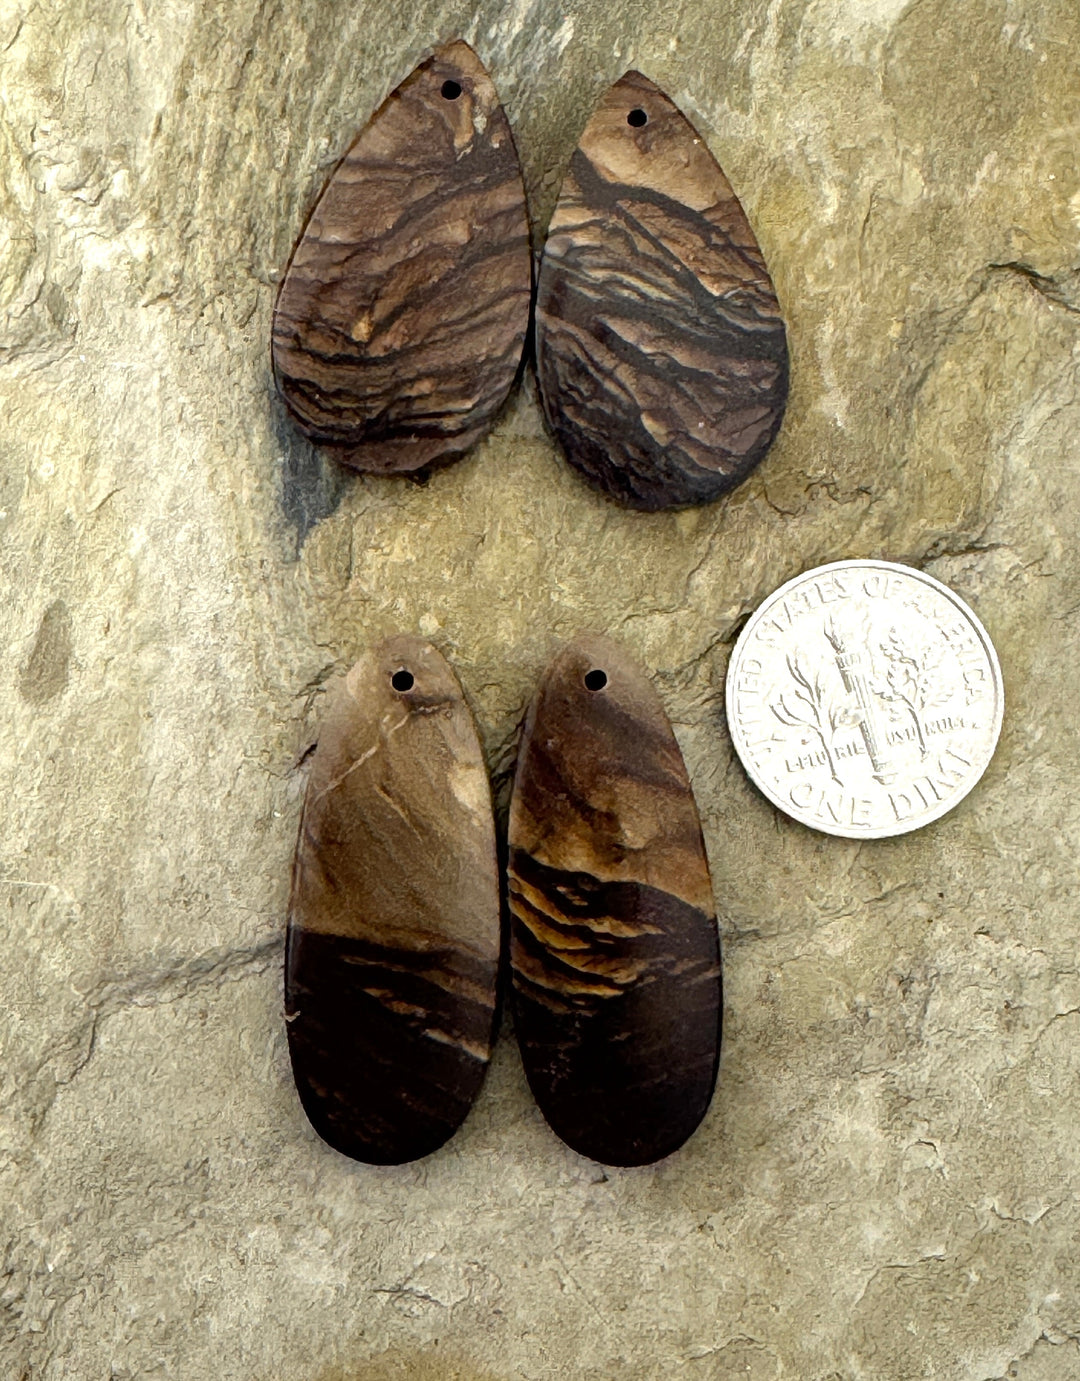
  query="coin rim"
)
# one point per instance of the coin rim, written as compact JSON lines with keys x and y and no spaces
{"x":735,"y":730}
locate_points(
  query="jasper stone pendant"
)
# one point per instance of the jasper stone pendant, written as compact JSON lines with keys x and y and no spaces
{"x":614,"y":945}
{"x":661,"y":350}
{"x":402,"y":317}
{"x":393,"y":940}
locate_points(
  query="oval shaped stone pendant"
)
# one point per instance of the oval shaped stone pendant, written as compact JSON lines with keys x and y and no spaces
{"x":393,"y":941}
{"x":661,"y":351}
{"x":401,"y":320}
{"x":614,"y":947}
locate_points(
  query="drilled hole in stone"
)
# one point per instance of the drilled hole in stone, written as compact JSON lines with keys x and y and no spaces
{"x":637,"y":118}
{"x":451,"y":90}
{"x":402,"y":680}
{"x":595,"y":680}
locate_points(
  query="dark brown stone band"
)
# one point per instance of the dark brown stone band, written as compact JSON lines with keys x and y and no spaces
{"x":621,"y":1029}
{"x":390,"y":1046}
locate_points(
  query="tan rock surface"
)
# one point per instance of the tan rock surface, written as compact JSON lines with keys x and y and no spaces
{"x":886,"y":1186}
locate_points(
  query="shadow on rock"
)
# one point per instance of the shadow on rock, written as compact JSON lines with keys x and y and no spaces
{"x":312,"y":482}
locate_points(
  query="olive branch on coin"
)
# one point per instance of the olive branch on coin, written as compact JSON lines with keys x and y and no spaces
{"x":815,"y":707}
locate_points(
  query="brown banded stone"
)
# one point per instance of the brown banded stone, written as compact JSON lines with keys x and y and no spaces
{"x":614,"y":946}
{"x":661,"y":351}
{"x":393,"y":940}
{"x":401,"y":320}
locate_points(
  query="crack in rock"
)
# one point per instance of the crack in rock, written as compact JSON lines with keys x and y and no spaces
{"x":1043,"y":1340}
{"x":1063,"y":289}
{"x":70,"y":1052}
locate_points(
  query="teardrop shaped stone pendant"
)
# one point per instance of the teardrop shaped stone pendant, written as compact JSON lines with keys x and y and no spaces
{"x":393,"y":940}
{"x":401,"y":320}
{"x":661,"y":351}
{"x":614,"y":947}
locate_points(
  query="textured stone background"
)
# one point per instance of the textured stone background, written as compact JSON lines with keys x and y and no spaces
{"x":887,"y":1184}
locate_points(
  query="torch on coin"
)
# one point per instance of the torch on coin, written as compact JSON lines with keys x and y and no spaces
{"x":849,"y":660}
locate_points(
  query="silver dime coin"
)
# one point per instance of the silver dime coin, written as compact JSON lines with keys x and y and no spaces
{"x":864,"y":699}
